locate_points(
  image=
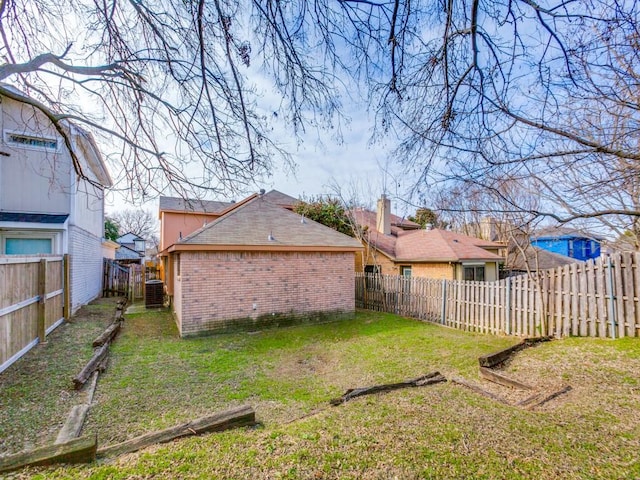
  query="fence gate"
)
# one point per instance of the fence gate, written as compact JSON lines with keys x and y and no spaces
{"x":116,"y":279}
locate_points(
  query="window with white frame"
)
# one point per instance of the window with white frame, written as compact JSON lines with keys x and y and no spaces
{"x":474,"y":273}
{"x":30,"y":242}
{"x":30,"y":141}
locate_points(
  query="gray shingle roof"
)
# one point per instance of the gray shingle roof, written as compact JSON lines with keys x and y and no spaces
{"x":281,"y":199}
{"x":126,"y":253}
{"x":534,"y":259}
{"x":254,"y":222}
{"x":192,"y":205}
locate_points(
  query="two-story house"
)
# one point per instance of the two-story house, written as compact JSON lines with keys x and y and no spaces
{"x":45,"y":206}
{"x":132,"y":248}
{"x":396,"y":246}
{"x":568,"y":242}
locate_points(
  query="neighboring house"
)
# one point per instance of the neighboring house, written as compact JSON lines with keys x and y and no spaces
{"x":394,"y":246}
{"x":132,"y":248}
{"x":259,"y":264}
{"x":45,"y":207}
{"x":180,"y":217}
{"x":109,"y":249}
{"x":568,"y":242}
{"x":527,"y":259}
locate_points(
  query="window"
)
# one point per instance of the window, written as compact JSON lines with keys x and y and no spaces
{"x":28,"y":246}
{"x":405,"y":271}
{"x":30,"y":242}
{"x":370,"y":271}
{"x":139,"y":245}
{"x":474,"y":273}
{"x":31,"y":141}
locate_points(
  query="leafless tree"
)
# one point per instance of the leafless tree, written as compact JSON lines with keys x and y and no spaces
{"x":163,"y":82}
{"x":479,"y":90}
{"x":521,"y":91}
{"x":139,"y":222}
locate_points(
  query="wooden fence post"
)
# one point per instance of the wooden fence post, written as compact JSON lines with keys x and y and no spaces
{"x":508,"y":307}
{"x":444,"y":301}
{"x":42,"y":301}
{"x":132,"y":283}
{"x":66,"y":282}
{"x":612,"y":298}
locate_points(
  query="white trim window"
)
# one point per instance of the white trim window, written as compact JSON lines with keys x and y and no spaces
{"x":33,"y":142}
{"x":30,"y":242}
{"x":474,"y":273}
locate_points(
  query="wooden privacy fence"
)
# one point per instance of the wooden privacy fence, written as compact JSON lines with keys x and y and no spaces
{"x":126,"y":279}
{"x":598,"y":298}
{"x":115,"y":281}
{"x":34,"y":300}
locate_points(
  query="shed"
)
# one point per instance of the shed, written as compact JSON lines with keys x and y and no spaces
{"x":260,"y":265}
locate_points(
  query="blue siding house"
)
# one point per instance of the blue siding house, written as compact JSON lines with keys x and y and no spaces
{"x":570,"y":243}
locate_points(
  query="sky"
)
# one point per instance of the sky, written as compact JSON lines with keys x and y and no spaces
{"x":322,"y":164}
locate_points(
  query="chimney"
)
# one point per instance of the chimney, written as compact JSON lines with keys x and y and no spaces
{"x":383,"y":220}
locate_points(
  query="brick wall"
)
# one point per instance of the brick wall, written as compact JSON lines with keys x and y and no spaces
{"x":433,"y":270}
{"x":369,"y":256}
{"x":85,"y":257}
{"x":226,"y":291}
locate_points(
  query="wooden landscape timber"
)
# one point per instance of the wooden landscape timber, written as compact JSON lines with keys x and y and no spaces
{"x":502,"y":379}
{"x":429,"y":379}
{"x":108,"y":335}
{"x":480,"y":390}
{"x":492,"y":360}
{"x":93,"y":365}
{"x":237,"y":417}
{"x":536,"y":402}
{"x":78,"y":450}
{"x":99,"y":359}
{"x":73,"y":426}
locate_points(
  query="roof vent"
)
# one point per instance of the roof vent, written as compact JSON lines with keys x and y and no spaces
{"x":428,"y":226}
{"x":270,"y":237}
{"x":303,"y":220}
{"x":262,"y":191}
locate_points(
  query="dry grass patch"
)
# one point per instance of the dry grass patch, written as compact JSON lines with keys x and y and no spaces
{"x":36,"y":392}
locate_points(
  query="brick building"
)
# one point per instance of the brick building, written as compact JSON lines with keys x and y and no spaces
{"x":258,"y":265}
{"x":396,"y":246}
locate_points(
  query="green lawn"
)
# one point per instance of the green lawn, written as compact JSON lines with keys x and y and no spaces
{"x":156,"y":380}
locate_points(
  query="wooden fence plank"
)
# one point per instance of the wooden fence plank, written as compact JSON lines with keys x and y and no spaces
{"x":629,"y":295}
{"x":570,"y":300}
{"x":583,"y":321}
{"x":619,"y":293}
{"x":591,"y":305}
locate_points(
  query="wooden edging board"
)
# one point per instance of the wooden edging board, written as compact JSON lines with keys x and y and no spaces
{"x":238,"y":417}
{"x":492,"y":360}
{"x":78,"y":450}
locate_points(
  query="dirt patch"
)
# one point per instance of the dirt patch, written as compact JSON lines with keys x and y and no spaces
{"x":36,"y":393}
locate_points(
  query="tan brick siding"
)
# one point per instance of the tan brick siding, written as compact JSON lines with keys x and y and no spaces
{"x":429,"y":270}
{"x":218,"y":288}
{"x":433,"y":270}
{"x":176,"y":290}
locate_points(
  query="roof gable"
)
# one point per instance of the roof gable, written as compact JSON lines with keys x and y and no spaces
{"x":178,"y":204}
{"x":409,"y":243}
{"x":128,"y":237}
{"x":262,"y":223}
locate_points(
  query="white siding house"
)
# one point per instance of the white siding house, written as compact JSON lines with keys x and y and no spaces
{"x":45,"y":207}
